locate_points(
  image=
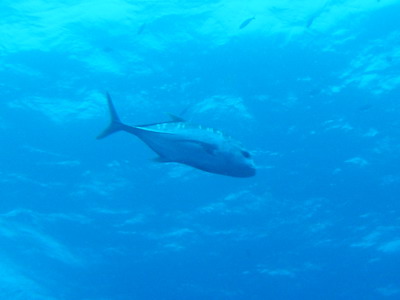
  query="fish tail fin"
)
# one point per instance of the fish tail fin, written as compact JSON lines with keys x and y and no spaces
{"x":115,"y":124}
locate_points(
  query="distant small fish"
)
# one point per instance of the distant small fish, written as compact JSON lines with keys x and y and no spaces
{"x":246,"y":22}
{"x":318,"y":13}
{"x":310,"y":21}
{"x":108,"y":49}
{"x":365,"y":107}
{"x":314,"y":92}
{"x":141,"y":29}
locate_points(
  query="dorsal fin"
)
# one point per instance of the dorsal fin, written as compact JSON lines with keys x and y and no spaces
{"x":175,"y":118}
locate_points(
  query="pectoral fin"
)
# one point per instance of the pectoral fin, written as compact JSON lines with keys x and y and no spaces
{"x":207,"y":147}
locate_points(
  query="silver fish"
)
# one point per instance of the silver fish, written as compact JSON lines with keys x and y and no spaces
{"x":180,"y":142}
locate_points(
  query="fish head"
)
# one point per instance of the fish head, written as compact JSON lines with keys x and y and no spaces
{"x":240,"y":163}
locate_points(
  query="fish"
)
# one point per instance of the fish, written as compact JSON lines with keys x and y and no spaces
{"x":365,"y":107}
{"x":178,"y":141}
{"x":319,"y":12}
{"x":141,"y":28}
{"x":311,"y":20}
{"x":246,"y":22}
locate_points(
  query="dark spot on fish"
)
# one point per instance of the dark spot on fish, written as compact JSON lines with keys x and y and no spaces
{"x":246,"y":154}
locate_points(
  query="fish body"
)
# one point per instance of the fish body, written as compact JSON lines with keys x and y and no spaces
{"x":193,"y":145}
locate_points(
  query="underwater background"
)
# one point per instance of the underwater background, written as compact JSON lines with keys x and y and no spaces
{"x":310,"y":87}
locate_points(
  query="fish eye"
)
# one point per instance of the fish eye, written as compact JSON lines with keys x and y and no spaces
{"x":246,"y":154}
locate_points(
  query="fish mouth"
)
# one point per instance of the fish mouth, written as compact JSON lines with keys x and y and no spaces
{"x":246,"y":172}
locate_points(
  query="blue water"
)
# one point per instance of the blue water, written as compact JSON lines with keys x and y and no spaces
{"x":311,"y":88}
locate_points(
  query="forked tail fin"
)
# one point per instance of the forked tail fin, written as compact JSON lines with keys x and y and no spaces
{"x":115,"y":124}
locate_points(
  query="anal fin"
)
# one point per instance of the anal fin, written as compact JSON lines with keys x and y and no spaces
{"x":160,"y":159}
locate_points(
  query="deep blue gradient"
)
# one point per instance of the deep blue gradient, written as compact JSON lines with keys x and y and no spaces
{"x":311,"y":87}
